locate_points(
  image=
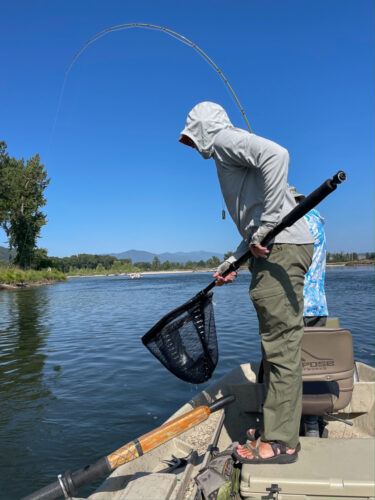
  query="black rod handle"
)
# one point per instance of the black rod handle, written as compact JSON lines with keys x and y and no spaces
{"x":299,"y":211}
{"x":306,"y":205}
{"x":70,"y":482}
{"x":221,"y":402}
{"x":49,"y":492}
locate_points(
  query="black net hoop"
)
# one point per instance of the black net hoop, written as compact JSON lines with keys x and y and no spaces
{"x":185,"y":340}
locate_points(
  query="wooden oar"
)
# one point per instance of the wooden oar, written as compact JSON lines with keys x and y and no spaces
{"x":69,"y":483}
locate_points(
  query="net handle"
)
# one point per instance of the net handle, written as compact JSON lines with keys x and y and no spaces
{"x":299,"y":211}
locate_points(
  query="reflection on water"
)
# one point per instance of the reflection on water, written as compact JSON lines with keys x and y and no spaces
{"x":77,"y":383}
{"x":22,"y":335}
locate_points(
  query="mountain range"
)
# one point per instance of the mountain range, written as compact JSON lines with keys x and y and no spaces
{"x":182,"y":257}
{"x":142,"y":256}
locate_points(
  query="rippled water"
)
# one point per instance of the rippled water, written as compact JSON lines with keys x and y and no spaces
{"x":77,"y":383}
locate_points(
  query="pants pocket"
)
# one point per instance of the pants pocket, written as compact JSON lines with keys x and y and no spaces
{"x":269,"y":305}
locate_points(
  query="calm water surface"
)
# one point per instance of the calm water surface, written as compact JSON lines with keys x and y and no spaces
{"x":77,"y":383}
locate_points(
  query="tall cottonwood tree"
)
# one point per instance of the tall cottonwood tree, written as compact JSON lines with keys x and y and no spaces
{"x":22,"y":188}
{"x":6,"y":164}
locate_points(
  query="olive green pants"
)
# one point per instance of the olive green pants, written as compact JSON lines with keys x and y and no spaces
{"x":276,"y":291}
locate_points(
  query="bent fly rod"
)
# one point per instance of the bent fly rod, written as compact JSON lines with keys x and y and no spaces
{"x":171,"y":33}
{"x":68,"y":484}
{"x":154,"y":27}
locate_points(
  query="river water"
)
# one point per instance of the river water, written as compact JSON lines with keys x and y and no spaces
{"x":77,"y":383}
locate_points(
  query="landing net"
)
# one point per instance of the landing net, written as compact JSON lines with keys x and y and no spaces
{"x":185,"y":340}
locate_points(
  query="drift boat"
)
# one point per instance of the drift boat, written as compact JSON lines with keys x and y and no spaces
{"x":339,"y":465}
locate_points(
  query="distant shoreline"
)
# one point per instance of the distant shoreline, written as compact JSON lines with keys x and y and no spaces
{"x":26,"y":284}
{"x":142,"y":273}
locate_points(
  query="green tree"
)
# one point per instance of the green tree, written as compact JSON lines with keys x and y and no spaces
{"x":8,"y":177}
{"x":213,"y":261}
{"x":22,"y":195}
{"x":100,"y":268}
{"x":116,"y":267}
{"x":155,"y":266}
{"x":190,"y":264}
{"x":4,"y":165}
{"x":166,"y":265}
{"x":40,"y":259}
{"x":145,"y":266}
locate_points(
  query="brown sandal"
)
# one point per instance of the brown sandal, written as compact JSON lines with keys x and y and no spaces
{"x":254,"y":434}
{"x":280,"y":454}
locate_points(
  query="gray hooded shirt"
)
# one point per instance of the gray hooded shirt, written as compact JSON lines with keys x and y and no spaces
{"x":252,"y":172}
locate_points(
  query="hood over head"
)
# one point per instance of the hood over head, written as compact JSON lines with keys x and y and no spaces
{"x":204,"y":121}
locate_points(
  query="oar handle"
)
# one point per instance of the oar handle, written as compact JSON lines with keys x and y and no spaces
{"x":299,"y":211}
{"x":69,"y":483}
{"x":167,"y":431}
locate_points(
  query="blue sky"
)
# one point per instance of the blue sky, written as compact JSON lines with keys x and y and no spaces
{"x":302,"y":70}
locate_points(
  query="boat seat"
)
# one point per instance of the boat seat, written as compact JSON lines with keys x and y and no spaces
{"x":327,"y":370}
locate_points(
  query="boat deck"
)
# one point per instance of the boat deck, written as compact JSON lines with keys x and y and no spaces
{"x":324,"y":465}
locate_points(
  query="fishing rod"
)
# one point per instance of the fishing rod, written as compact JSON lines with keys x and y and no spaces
{"x":297,"y":213}
{"x":171,"y":33}
{"x":68,"y":484}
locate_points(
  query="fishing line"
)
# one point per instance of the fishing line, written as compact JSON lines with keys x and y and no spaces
{"x":52,"y":131}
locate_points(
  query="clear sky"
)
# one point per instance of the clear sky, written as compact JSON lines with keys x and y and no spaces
{"x":302,"y":70}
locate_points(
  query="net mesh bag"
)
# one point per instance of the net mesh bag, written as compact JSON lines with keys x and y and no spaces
{"x":185,"y":340}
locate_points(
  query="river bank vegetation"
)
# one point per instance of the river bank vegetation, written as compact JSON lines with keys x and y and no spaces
{"x":88,"y":265}
{"x":350,"y":257}
{"x":18,"y":277}
{"x":49,"y":269}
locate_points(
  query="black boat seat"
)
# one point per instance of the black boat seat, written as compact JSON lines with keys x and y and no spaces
{"x":327,"y":370}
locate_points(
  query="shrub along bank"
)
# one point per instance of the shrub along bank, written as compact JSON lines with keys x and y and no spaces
{"x":18,"y":277}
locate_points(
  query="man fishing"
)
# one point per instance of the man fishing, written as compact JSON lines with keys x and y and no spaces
{"x":252,"y":172}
